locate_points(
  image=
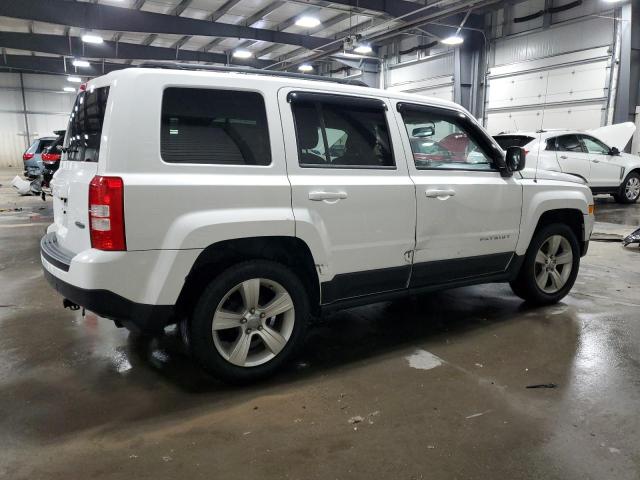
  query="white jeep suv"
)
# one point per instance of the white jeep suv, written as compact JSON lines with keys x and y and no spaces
{"x":595,"y":156}
{"x":241,"y":204}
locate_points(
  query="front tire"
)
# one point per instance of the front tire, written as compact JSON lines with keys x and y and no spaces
{"x":550,"y":266}
{"x":249,"y":321}
{"x":629,"y":190}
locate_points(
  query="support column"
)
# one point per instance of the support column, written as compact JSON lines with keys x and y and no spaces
{"x":469,"y":73}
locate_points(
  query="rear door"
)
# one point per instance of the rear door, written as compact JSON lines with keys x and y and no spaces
{"x":572,"y":157}
{"x":350,"y":190}
{"x":604,"y":171}
{"x":70,"y":184}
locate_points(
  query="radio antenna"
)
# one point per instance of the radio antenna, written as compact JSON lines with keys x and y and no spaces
{"x":541,"y":129}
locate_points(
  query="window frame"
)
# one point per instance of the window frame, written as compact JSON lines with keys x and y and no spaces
{"x":489,"y":147}
{"x":342,"y":100}
{"x":577,"y":135}
{"x":216,"y":165}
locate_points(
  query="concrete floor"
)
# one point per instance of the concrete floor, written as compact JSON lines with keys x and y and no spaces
{"x":437,"y":381}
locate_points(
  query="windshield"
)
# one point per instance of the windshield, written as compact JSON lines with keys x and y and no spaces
{"x":506,"y":141}
{"x":82,"y":142}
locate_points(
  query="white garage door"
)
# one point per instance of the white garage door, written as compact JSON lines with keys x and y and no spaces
{"x":545,"y":88}
{"x":431,"y":77}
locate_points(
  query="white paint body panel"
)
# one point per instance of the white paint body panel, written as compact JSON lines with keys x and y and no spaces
{"x":174,"y":211}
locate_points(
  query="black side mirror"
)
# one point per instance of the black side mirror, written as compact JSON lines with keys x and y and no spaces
{"x":515,"y":158}
{"x":614,"y":151}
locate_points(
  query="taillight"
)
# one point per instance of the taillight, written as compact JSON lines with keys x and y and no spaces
{"x":50,"y":158}
{"x":106,"y":213}
{"x":526,"y":152}
{"x":27,"y":156}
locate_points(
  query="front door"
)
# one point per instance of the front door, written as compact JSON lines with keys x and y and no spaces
{"x":468,"y":215}
{"x":352,"y":196}
{"x":604,"y":171}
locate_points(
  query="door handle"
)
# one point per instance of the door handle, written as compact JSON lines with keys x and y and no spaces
{"x":319,"y":196}
{"x":595,"y":161}
{"x":442,"y":194}
{"x":564,"y":157}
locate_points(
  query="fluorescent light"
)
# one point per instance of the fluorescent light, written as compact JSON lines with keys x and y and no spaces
{"x":74,"y":79}
{"x":307,"y":22}
{"x":363,"y":48}
{"x":80,"y":63}
{"x":613,"y":1}
{"x":452,"y":40}
{"x":305,"y":67}
{"x":242,"y":54}
{"x":89,"y":38}
{"x":69,"y":89}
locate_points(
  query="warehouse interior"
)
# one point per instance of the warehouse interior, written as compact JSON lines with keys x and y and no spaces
{"x":435,"y":386}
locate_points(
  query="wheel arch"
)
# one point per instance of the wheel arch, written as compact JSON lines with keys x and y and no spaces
{"x":217,"y":257}
{"x":572,"y":217}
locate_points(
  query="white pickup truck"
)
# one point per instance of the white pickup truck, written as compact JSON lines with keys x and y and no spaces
{"x":241,"y":204}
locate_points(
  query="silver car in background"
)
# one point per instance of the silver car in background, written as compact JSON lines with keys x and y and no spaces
{"x":32,"y":157}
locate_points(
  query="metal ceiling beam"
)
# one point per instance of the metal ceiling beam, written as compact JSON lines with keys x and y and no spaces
{"x":106,"y":17}
{"x":27,"y":63}
{"x":74,"y":47}
{"x":392,"y":8}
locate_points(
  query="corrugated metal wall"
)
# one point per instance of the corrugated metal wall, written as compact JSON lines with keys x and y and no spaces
{"x":47,"y":109}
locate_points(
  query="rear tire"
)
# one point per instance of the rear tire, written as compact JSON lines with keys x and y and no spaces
{"x":629,"y":190}
{"x":550,"y":266}
{"x":249,"y":321}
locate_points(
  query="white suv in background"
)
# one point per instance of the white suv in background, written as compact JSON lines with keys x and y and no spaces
{"x":594,"y":156}
{"x":241,"y":204}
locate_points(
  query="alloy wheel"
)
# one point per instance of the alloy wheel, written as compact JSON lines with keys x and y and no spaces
{"x":632,"y":188}
{"x":553,"y":264}
{"x":253,"y":322}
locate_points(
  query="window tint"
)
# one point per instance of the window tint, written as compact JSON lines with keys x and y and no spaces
{"x":352,"y":135}
{"x":506,"y":141}
{"x":85,"y":125}
{"x":442,"y":141}
{"x":569,"y":143}
{"x":551,"y":144}
{"x":595,"y":146}
{"x":214,"y":127}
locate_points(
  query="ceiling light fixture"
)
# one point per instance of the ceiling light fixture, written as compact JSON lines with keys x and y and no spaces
{"x":452,"y":40}
{"x":305,"y":67}
{"x":89,"y":38}
{"x":242,"y":54}
{"x":363,"y":48}
{"x":69,"y":89}
{"x":80,"y":63}
{"x":74,"y":79}
{"x":307,"y":22}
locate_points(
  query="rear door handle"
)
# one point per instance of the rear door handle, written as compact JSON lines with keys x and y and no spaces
{"x":563,"y":157}
{"x":320,"y":195}
{"x":443,"y":194}
{"x":595,"y":161}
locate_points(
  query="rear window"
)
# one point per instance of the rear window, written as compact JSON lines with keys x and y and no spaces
{"x":506,"y":141}
{"x":207,"y":126}
{"x":39,"y":145}
{"x":85,"y":125}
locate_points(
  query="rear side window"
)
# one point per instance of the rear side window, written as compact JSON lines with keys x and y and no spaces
{"x":569,"y":143}
{"x":506,"y":141}
{"x":342,"y":132}
{"x":85,"y":125}
{"x":207,"y":126}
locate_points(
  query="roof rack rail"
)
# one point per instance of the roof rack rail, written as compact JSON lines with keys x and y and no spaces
{"x":253,"y":71}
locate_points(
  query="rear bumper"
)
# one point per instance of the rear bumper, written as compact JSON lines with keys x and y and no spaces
{"x":57,"y":263}
{"x":135,"y":316}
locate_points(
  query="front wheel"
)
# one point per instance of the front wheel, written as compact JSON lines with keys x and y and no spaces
{"x":550,"y":266}
{"x":629,"y":190}
{"x":249,"y":321}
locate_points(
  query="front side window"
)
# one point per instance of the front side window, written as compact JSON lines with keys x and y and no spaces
{"x":441,"y":140}
{"x":594,"y":146}
{"x":208,"y":126}
{"x":84,"y":131}
{"x":333,"y":135}
{"x":569,"y":143}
